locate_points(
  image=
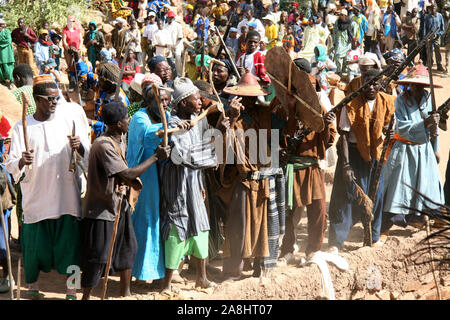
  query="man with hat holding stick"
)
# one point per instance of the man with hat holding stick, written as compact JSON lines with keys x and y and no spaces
{"x":50,"y":237}
{"x":255,"y":219}
{"x":412,"y":163}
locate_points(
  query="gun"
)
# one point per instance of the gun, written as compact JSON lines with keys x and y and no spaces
{"x":443,"y":113}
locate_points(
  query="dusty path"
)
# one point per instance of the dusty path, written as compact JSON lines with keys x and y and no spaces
{"x":400,"y":279}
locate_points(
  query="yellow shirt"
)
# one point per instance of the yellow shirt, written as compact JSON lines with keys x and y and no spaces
{"x":271,"y":33}
{"x":217,"y":12}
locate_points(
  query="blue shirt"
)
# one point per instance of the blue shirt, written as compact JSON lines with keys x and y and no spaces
{"x":434,"y":23}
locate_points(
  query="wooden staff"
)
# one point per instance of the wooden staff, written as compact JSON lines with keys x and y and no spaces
{"x":111,"y":246}
{"x":202,"y":57}
{"x":155,"y":89}
{"x":73,"y":156}
{"x":434,"y":131}
{"x":289,"y":87}
{"x":8,"y":253}
{"x":25,"y":103}
{"x":219,"y":103}
{"x":212,"y":109}
{"x":122,"y":69}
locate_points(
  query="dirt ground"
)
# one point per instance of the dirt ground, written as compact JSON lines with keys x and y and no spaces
{"x":398,"y":276}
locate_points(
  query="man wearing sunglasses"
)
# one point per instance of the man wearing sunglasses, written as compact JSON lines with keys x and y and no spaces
{"x":50,"y":194}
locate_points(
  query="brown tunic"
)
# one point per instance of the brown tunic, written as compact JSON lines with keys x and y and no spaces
{"x":257,"y":191}
{"x":308,"y":182}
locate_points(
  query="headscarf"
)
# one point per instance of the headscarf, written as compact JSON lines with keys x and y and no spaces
{"x":106,"y":55}
{"x":92,"y":33}
{"x":154,"y":61}
{"x":322,"y":57}
{"x":228,"y":66}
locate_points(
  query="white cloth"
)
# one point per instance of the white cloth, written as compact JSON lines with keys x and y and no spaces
{"x":135,"y":37}
{"x":344,"y":122}
{"x":161,"y":38}
{"x":247,"y":61}
{"x":149,"y":30}
{"x":175,"y":31}
{"x":49,"y":190}
{"x":354,"y":55}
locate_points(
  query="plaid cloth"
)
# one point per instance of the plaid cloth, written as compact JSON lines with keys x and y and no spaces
{"x":276,"y":214}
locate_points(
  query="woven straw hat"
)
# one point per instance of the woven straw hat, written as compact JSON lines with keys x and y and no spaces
{"x":248,"y":86}
{"x":418,"y":75}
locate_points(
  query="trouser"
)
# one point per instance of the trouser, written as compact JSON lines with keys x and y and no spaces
{"x":26,"y":56}
{"x":398,"y":8}
{"x":447,"y":179}
{"x":437,"y":52}
{"x":344,"y":204}
{"x":317,"y":224}
{"x":372,"y":46}
{"x":293,"y":217}
{"x":6,"y":71}
{"x":389,"y":43}
{"x":447,"y":55}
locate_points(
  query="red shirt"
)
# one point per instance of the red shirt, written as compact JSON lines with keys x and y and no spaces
{"x":132,"y":65}
{"x":21,"y":41}
{"x":73,"y":37}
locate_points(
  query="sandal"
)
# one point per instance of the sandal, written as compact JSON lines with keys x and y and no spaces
{"x":71,"y":297}
{"x":34,"y":295}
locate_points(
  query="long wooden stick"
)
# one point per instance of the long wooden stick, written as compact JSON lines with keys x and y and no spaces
{"x":111,"y":247}
{"x":162,"y":113}
{"x":8,"y":252}
{"x":25,"y":103}
{"x":236,"y":72}
{"x":435,"y":130}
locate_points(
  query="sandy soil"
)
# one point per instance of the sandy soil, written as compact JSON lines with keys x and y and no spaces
{"x":399,"y":277}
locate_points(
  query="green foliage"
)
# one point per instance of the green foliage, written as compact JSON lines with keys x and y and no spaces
{"x":35,"y":12}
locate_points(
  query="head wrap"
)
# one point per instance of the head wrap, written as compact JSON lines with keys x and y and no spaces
{"x":43,"y":78}
{"x":154,"y":61}
{"x":322,"y":56}
{"x":121,"y":20}
{"x":106,"y":55}
{"x":171,"y":14}
{"x":183,"y":89}
{"x":228,"y":65}
{"x":189,"y":6}
{"x":303,"y":64}
{"x":233,"y":29}
{"x":149,"y":79}
{"x":113,"y":112}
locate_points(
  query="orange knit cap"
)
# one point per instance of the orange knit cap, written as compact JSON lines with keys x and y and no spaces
{"x":43,"y":78}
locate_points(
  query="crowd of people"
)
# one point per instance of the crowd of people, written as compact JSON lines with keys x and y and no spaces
{"x":128,"y":106}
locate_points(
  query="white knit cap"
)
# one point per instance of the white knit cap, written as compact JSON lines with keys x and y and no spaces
{"x":183,"y":88}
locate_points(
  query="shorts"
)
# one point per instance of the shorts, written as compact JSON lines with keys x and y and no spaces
{"x":175,"y":249}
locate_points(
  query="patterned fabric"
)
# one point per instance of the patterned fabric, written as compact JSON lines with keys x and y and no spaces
{"x":276,"y":216}
{"x":29,"y":92}
{"x":133,"y":108}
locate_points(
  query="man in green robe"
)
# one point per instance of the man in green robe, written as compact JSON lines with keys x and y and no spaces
{"x":6,"y":54}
